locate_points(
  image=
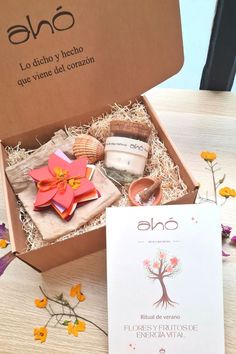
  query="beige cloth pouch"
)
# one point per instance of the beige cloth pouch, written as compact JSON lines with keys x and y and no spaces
{"x":49,"y":224}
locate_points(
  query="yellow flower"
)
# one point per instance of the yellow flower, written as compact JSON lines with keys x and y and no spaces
{"x":40,"y":334}
{"x":70,"y":328}
{"x":208,"y":156}
{"x":41,"y":303}
{"x":81,"y":326}
{"x":76,"y":291}
{"x":233,"y":193}
{"x":76,"y":328}
{"x":227,"y":192}
{"x":3,"y":243}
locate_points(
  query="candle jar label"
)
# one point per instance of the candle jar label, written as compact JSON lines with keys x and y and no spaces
{"x":125,"y":154}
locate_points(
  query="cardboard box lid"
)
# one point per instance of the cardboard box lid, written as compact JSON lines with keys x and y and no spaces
{"x":63,"y":59}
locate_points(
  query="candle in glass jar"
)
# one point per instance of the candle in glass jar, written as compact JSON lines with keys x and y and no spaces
{"x":126,"y":149}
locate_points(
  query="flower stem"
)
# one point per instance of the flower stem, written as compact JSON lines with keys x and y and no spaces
{"x":203,"y":200}
{"x":76,"y":316}
{"x":72,"y":311}
{"x":50,"y":318}
{"x":214,"y":180}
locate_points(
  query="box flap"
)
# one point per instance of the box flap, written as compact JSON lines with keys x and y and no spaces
{"x":63,"y":59}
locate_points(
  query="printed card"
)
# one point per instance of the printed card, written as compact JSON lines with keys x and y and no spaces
{"x":164,"y":270}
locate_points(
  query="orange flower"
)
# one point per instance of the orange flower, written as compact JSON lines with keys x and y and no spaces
{"x":41,"y":303}
{"x":74,"y":329}
{"x":81,"y":297}
{"x":76,"y":291}
{"x":40,"y":334}
{"x":3,"y":243}
{"x":227,"y":192}
{"x":208,"y":156}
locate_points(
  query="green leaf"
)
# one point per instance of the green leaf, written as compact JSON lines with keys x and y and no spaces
{"x":65,"y":323}
{"x":76,"y":321}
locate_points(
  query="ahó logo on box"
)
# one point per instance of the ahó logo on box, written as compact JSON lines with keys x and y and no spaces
{"x":19,"y":34}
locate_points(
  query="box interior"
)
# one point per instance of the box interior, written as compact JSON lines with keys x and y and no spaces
{"x":18,"y":243}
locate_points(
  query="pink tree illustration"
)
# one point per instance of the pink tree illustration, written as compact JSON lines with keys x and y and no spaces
{"x":162,"y":267}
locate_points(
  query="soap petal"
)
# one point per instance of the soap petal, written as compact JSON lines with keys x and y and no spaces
{"x":44,"y":197}
{"x":85,"y":186}
{"x":78,"y":167}
{"x":64,"y":198}
{"x":40,"y":174}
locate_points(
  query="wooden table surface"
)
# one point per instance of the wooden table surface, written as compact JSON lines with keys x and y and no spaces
{"x":196,"y":121}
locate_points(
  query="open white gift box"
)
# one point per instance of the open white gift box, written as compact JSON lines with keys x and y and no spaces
{"x":64,"y":63}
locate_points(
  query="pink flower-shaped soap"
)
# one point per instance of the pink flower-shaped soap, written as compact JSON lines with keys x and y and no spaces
{"x":61,"y":181}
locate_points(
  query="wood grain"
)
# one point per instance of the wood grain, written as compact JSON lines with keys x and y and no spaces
{"x":196,"y":121}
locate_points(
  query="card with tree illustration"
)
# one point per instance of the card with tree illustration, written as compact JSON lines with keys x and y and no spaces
{"x":164,"y":273}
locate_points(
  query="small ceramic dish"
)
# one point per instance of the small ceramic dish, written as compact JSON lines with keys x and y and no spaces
{"x":140,"y":185}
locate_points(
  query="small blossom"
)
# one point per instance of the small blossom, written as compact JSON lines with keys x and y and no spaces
{"x":40,"y":334}
{"x":70,"y":328}
{"x":81,"y":297}
{"x":75,"y":291}
{"x":225,"y":231}
{"x":225,"y":254}
{"x":146,"y":263}
{"x":3,"y":243}
{"x":2,"y":229}
{"x":156,"y":265}
{"x":208,"y":156}
{"x":3,"y":232}
{"x":169,"y":269}
{"x":81,"y":326}
{"x":74,"y":329}
{"x":41,"y":303}
{"x":233,"y":193}
{"x":5,"y":261}
{"x":227,"y":192}
{"x":174,"y":261}
{"x":3,"y":236}
{"x":233,"y":239}
{"x":162,"y":255}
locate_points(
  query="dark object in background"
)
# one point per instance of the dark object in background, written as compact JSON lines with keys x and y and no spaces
{"x":219,"y":70}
